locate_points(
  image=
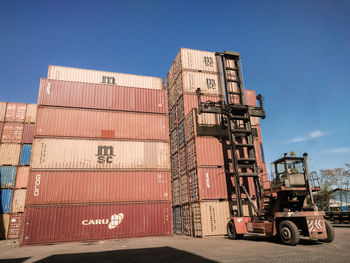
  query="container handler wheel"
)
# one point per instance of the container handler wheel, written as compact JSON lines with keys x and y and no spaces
{"x":330,"y":232}
{"x":289,"y":233}
{"x":231,"y":231}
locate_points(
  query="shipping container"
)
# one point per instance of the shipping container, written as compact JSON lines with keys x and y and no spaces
{"x":28,"y":132}
{"x":6,"y":200}
{"x":187,"y":220}
{"x":97,"y":77}
{"x":250,"y":97}
{"x":204,"y":151}
{"x":174,"y":166}
{"x":98,"y":96}
{"x":177,"y":220}
{"x":30,"y":113}
{"x":18,"y":200}
{"x":4,"y":225}
{"x":12,"y":133}
{"x":180,"y":108}
{"x":172,"y":119}
{"x":15,"y":112}
{"x":184,"y":190}
{"x":181,"y":135}
{"x":176,"y":192}
{"x":8,"y":176}
{"x":3,"y":106}
{"x":9,"y":153}
{"x":15,"y":226}
{"x":99,"y":154}
{"x":48,"y":187}
{"x":173,"y":142}
{"x":183,"y":161}
{"x":87,"y":123}
{"x":172,"y":97}
{"x":210,"y":218}
{"x":26,"y":154}
{"x":1,"y":127}
{"x":22,"y":177}
{"x":54,"y":224}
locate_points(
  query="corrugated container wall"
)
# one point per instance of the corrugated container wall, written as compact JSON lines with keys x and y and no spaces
{"x":94,"y":222}
{"x":8,"y":176}
{"x":6,"y":200}
{"x":22,"y":177}
{"x":28,"y":132}
{"x":15,"y":112}
{"x":15,"y":225}
{"x":19,"y":197}
{"x":90,"y":187}
{"x":9,"y":153}
{"x":101,"y":154}
{"x":26,"y":154}
{"x":99,"y":96}
{"x":12,"y":133}
{"x":30,"y":113}
{"x":2,"y":110}
{"x":96,"y":76}
{"x":1,"y":126}
{"x":68,"y":122}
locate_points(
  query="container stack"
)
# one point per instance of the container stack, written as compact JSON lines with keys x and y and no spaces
{"x":16,"y":133}
{"x":100,"y":167}
{"x":199,"y":187}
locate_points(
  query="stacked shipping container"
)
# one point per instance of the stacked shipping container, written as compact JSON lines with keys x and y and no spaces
{"x":16,"y":133}
{"x":200,"y":206}
{"x":100,"y":166}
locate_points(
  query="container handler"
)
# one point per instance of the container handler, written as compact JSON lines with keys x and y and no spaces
{"x":279,"y":211}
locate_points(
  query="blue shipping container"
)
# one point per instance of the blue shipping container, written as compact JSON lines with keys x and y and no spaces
{"x":8,"y":176}
{"x":6,"y":201}
{"x":25,"y":154}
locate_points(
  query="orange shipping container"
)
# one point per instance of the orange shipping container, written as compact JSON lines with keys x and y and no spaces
{"x":22,"y":177}
{"x":2,"y":110}
{"x":9,"y":153}
{"x":12,"y":132}
{"x":99,"y":154}
{"x":15,"y":112}
{"x":68,"y":122}
{"x":19,"y":197}
{"x":30,"y":113}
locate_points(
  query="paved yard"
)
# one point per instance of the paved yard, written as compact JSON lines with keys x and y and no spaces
{"x":182,"y":249}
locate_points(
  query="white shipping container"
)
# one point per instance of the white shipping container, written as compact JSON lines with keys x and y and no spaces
{"x":30,"y":113}
{"x":19,"y":197}
{"x":99,"y":154}
{"x":98,"y":77}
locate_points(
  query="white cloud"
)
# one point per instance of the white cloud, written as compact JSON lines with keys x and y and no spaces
{"x":310,"y":136}
{"x":339,"y":150}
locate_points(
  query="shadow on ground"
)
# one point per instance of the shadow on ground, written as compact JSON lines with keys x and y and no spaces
{"x":144,"y":255}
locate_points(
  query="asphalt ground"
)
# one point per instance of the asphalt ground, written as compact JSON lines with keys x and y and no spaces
{"x":182,"y":249}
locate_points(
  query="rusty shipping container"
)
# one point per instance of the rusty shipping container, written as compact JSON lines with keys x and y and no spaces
{"x":183,"y":161}
{"x":187,"y":220}
{"x":54,"y":224}
{"x":173,"y":142}
{"x":18,"y":200}
{"x":30,"y":113}
{"x":99,"y":154}
{"x":28,"y":132}
{"x":3,"y":106}
{"x":97,"y":77}
{"x":15,"y":226}
{"x":177,"y":220}
{"x":99,"y":96}
{"x":172,"y":97}
{"x":204,"y":151}
{"x":210,"y":218}
{"x":174,"y":166}
{"x":22,"y":177}
{"x":183,"y":189}
{"x":176,"y":192}
{"x":48,"y":187}
{"x":12,"y":132}
{"x":9,"y":153}
{"x":87,"y":123}
{"x":15,"y":112}
{"x":172,"y":119}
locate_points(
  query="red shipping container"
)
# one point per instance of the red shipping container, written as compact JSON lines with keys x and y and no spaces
{"x":15,"y":225}
{"x":93,"y":222}
{"x":101,"y":96}
{"x":87,"y":123}
{"x":250,"y":97}
{"x":15,"y":112}
{"x":22,"y":177}
{"x":12,"y":132}
{"x":97,"y":187}
{"x":28,"y":133}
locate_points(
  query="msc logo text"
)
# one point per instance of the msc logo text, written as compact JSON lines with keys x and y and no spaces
{"x":105,"y":154}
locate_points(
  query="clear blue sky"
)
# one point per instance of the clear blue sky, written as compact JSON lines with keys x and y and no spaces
{"x":296,"y":53}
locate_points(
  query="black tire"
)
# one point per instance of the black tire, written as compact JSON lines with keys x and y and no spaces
{"x":231,"y":231}
{"x":288,"y":233}
{"x":330,"y":232}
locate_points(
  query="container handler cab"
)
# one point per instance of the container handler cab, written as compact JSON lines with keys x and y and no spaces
{"x":281,"y":210}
